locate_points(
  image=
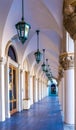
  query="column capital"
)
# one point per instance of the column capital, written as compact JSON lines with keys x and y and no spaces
{"x":69,"y":17}
{"x":19,"y":66}
{"x":2,"y":60}
{"x":67,"y":60}
{"x":21,"y":70}
{"x":36,"y":78}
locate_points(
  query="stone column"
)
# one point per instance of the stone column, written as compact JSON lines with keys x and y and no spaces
{"x":2,"y":89}
{"x":36,"y":88}
{"x":42,"y":89}
{"x":60,"y":93}
{"x":60,"y":88}
{"x":31,"y":89}
{"x":69,"y":20}
{"x":67,"y":62}
{"x":7,"y":106}
{"x":75,"y":78}
{"x":62,"y":96}
{"x":39,"y":89}
{"x":45,"y":89}
{"x":19,"y":90}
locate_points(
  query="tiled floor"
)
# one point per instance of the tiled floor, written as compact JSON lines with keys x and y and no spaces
{"x":44,"y":115}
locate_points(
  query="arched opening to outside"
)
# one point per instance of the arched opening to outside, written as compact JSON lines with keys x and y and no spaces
{"x":52,"y":88}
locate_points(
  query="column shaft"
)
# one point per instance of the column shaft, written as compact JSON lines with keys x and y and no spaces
{"x":19,"y":98}
{"x":7,"y":108}
{"x":69,"y":96}
{"x":75,"y":78}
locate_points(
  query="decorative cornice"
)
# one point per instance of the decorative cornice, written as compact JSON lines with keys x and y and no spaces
{"x":69,"y":17}
{"x":67,"y":60}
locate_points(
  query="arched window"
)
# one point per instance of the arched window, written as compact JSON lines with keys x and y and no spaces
{"x":12,"y":54}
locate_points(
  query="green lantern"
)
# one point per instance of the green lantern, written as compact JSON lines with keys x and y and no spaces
{"x":22,"y":27}
{"x":43,"y":65}
{"x":38,"y":54}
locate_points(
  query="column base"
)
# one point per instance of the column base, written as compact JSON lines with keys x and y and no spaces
{"x":62,"y":114}
{"x":69,"y":127}
{"x":26,"y":104}
{"x":31,"y":102}
{"x":39,"y":99}
{"x":8,"y":115}
{"x":36,"y":100}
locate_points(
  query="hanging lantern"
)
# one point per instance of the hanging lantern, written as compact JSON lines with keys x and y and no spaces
{"x":47,"y":66}
{"x":22,"y":27}
{"x":38,"y":54}
{"x":43,"y":65}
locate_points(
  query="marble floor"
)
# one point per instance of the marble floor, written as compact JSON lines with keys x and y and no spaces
{"x":68,"y":127}
{"x":44,"y":115}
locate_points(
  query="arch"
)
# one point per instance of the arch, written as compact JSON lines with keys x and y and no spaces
{"x":11,"y":52}
{"x":33,"y":47}
{"x":26,"y":65}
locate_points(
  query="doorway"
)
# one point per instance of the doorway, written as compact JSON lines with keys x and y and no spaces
{"x":12,"y":90}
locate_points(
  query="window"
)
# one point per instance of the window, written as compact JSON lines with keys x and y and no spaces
{"x":11,"y":53}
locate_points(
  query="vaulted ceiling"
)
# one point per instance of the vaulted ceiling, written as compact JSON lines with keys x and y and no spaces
{"x":45,"y":15}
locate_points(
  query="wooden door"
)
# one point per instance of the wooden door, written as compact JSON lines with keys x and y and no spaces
{"x":12,"y":90}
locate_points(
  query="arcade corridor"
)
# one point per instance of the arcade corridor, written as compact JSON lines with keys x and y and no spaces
{"x":37,"y":64}
{"x":44,"y":115}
